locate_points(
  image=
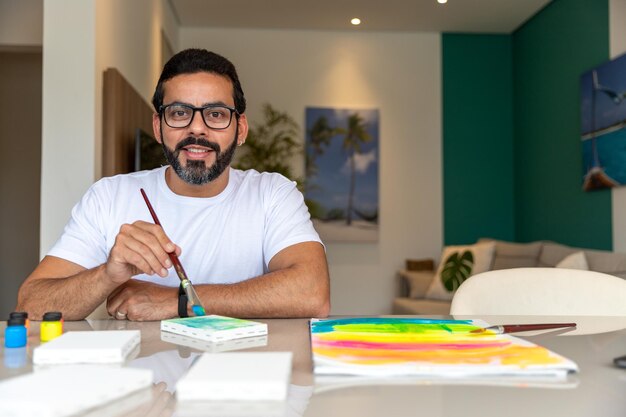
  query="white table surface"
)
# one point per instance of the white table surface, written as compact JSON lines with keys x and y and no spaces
{"x":599,"y":389}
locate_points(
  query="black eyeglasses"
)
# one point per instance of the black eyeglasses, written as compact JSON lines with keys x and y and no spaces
{"x":181,"y":115}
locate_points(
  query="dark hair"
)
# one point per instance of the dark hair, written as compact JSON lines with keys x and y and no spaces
{"x":190,"y":61}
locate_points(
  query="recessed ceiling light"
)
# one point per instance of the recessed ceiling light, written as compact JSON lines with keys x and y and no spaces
{"x":442,"y":1}
{"x":355,"y":21}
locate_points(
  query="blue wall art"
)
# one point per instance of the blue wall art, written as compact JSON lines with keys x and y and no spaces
{"x":342,"y":163}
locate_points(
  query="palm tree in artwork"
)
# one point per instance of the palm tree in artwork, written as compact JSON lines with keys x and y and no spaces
{"x":321,"y":133}
{"x":354,"y":136}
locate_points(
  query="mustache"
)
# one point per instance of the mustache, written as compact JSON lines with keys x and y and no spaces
{"x":190,"y":140}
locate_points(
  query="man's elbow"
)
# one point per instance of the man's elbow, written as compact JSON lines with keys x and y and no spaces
{"x":23,"y":297}
{"x":320,"y":306}
{"x":26,"y":302}
{"x":323,"y":310}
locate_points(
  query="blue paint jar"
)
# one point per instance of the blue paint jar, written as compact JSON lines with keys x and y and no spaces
{"x":15,"y":357}
{"x":24,"y":315}
{"x":15,"y":333}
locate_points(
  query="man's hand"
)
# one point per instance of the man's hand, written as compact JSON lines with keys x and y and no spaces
{"x":60,"y":285}
{"x":143,"y":301}
{"x":139,"y":248}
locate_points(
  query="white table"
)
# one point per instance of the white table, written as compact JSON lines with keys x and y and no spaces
{"x":599,"y":389}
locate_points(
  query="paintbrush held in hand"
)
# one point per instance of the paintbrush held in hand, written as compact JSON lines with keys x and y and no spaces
{"x":196,"y":305}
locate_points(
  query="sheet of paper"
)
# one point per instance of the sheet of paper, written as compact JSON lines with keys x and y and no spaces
{"x":427,"y":347}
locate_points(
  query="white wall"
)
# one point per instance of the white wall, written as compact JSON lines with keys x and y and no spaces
{"x":400,"y":74}
{"x":617,"y":45}
{"x":20,"y":23}
{"x":81,"y":39}
{"x":128,"y":37}
{"x":69,"y":112}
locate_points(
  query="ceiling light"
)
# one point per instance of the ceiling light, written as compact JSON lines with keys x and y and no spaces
{"x":355,"y":21}
{"x":442,"y":1}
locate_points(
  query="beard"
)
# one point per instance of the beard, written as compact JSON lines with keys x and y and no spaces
{"x":196,"y":172}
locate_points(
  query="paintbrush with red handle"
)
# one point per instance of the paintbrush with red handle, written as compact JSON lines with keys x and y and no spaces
{"x":194,"y":300}
{"x":514,"y":328}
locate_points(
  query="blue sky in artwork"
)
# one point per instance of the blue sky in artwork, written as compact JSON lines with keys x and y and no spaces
{"x":330,"y":187}
{"x":608,"y":111}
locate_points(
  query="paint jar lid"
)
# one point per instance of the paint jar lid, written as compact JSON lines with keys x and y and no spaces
{"x":52,"y":316}
{"x":16,"y":321}
{"x":21,"y":314}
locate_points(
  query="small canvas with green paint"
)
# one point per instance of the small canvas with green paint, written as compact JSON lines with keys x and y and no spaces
{"x":214,"y":328}
{"x":427,"y":347}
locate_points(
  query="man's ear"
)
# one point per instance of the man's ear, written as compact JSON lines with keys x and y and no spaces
{"x":156,"y":127}
{"x":243,"y":129}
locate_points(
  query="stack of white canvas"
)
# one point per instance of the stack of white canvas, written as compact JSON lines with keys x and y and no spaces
{"x":88,"y":347}
{"x":214,"y":347}
{"x":68,"y":390}
{"x":253,"y":376}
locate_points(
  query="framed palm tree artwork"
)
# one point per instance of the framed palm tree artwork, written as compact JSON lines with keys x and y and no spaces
{"x":341,"y":187}
{"x":603,"y":124}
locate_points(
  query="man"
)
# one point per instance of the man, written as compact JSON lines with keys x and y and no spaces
{"x":245,"y":238}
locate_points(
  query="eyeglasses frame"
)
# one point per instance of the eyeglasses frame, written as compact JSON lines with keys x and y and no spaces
{"x":198,"y":109}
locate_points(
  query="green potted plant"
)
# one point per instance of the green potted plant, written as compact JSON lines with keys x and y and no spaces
{"x":271,"y":144}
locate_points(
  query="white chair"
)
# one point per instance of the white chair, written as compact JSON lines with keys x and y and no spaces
{"x":541,"y":291}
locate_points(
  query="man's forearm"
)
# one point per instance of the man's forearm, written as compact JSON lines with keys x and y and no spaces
{"x":75,"y":296}
{"x":291,"y":292}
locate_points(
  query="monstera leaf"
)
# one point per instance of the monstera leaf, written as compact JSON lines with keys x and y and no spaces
{"x":456,"y":269}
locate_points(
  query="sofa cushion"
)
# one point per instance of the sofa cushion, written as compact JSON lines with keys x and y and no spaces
{"x":514,"y":255}
{"x":608,"y":262}
{"x":417,"y":282}
{"x":457,"y":264}
{"x":553,"y":253}
{"x":612,"y":263}
{"x":576,"y":260}
{"x":403,"y":305}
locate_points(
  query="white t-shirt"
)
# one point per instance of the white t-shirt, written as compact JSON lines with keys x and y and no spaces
{"x":224,"y":239}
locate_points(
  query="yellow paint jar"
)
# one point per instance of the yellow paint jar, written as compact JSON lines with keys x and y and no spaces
{"x":51,"y":326}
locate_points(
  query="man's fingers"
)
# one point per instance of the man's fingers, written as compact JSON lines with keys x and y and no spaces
{"x":140,"y":247}
{"x":142,"y":239}
{"x":143,"y":257}
{"x":157,"y":231}
{"x":114,"y":306}
{"x":116,"y":291}
{"x":124,"y":261}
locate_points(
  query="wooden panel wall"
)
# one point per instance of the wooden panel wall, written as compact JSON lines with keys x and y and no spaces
{"x":123,"y":111}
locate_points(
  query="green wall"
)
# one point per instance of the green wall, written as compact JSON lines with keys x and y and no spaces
{"x":477,"y":138}
{"x":512,"y":158}
{"x":550,"y":51}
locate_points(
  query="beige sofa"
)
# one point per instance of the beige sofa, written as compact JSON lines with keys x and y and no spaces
{"x":415,"y":280}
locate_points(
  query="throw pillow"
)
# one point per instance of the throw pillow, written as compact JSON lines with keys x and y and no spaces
{"x":456,"y":265}
{"x":576,"y":260}
{"x":417,"y":282}
{"x":514,"y":255}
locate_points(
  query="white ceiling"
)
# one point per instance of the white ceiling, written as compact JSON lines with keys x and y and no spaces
{"x":483,"y":16}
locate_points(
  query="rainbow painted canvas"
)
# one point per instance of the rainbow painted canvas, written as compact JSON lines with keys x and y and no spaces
{"x":426,"y":347}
